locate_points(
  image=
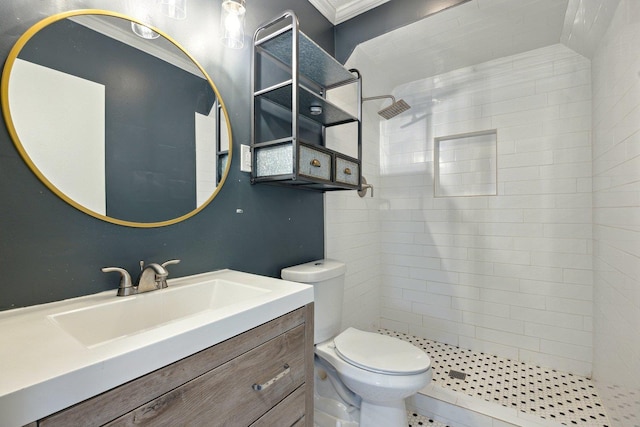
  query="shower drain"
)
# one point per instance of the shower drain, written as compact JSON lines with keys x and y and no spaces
{"x":457,"y":375}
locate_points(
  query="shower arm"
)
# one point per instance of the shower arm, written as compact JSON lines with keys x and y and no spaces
{"x":371,"y":98}
{"x":392,"y":110}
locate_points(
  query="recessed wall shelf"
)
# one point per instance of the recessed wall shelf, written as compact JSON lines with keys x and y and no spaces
{"x":466,"y":164}
{"x":291,"y":76}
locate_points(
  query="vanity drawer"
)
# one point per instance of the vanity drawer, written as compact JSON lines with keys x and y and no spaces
{"x":347,"y":171}
{"x":227,"y":395}
{"x":289,"y":412}
{"x":314,"y":163}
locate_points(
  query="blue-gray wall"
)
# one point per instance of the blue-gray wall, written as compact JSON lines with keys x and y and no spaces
{"x":150,"y":171}
{"x":50,"y":251}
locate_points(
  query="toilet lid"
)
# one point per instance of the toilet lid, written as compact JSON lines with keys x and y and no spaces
{"x":380,"y":353}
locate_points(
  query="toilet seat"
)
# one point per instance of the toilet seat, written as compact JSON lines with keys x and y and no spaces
{"x":380,"y":353}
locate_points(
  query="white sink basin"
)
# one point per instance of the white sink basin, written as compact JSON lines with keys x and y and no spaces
{"x":100,"y":323}
{"x":87,"y":345}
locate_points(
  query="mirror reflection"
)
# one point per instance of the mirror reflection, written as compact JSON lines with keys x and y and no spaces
{"x":127,"y":129}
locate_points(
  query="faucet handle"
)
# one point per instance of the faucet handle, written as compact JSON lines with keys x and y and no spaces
{"x":164,"y":265}
{"x":125,"y":288}
{"x":364,"y":186}
{"x":171,"y":261}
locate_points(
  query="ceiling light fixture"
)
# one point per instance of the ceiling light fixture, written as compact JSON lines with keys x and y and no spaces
{"x":174,"y":9}
{"x":232,"y":23}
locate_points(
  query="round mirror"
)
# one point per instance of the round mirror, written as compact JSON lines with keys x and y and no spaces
{"x":127,"y":129}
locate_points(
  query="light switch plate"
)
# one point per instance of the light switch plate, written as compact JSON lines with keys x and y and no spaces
{"x":245,"y":158}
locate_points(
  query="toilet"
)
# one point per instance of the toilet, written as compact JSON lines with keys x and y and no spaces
{"x":361,"y":378}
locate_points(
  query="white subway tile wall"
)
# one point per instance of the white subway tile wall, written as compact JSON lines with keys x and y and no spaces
{"x":509,"y":274}
{"x":352,"y":224}
{"x":616,"y":214}
{"x":512,"y":275}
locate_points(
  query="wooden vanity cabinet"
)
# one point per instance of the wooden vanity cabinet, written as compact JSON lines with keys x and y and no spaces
{"x":219,"y":385}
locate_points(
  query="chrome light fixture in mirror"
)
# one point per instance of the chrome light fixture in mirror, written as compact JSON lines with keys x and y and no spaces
{"x":129,"y":130}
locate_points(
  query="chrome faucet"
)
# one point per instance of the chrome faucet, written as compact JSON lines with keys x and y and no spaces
{"x":152,"y":276}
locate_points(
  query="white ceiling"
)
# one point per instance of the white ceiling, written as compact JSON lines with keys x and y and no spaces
{"x":469,"y":34}
{"x":465,"y":35}
{"x":338,"y":11}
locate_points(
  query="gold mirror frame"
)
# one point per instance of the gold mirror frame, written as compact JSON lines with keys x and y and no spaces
{"x":4,"y":86}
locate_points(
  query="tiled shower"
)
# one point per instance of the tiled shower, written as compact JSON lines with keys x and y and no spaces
{"x":546,"y":271}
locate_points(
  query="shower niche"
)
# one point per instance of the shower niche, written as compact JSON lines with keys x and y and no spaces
{"x":466,"y":164}
{"x":306,"y":126}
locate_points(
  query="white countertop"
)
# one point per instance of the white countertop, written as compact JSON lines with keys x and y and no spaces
{"x":44,"y":369}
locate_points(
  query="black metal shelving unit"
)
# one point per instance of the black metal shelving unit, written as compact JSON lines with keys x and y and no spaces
{"x":291,"y":76}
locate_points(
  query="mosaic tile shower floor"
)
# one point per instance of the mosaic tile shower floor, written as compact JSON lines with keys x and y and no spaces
{"x":551,"y":395}
{"x":417,"y":420}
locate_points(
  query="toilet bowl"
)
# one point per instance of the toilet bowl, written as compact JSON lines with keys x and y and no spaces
{"x":381,"y":370}
{"x":370,"y":374}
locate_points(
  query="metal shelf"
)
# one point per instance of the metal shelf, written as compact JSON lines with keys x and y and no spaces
{"x":279,"y":154}
{"x":315,"y":63}
{"x":326,"y":114}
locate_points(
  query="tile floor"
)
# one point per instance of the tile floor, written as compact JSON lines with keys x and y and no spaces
{"x":417,"y":420}
{"x":552,"y":395}
{"x":624,"y":404}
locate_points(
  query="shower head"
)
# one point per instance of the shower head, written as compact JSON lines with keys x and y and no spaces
{"x":392,"y":110}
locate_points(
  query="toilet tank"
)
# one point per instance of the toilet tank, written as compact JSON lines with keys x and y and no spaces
{"x":327,"y":278}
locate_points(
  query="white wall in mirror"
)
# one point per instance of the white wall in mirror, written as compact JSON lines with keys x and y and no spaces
{"x":206,"y":163}
{"x":74,"y":116}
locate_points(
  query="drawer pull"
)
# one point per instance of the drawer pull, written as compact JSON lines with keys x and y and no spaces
{"x":315,"y":163}
{"x":347,"y":171}
{"x":260,"y":387}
